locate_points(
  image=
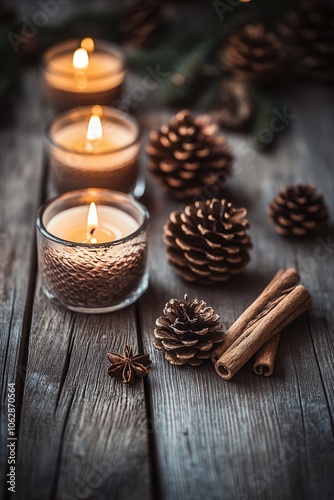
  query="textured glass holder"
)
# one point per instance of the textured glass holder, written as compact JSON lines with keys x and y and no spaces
{"x":115,"y":169}
{"x":93,"y":278}
{"x":66,"y":88}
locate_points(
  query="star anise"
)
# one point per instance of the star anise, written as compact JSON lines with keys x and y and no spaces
{"x":128,"y":367}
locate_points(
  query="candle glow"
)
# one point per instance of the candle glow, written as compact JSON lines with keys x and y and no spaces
{"x":92,"y":250}
{"x":80,"y":59}
{"x":81,"y":72}
{"x":93,"y":146}
{"x":88,"y":44}
{"x":94,"y":130}
{"x":92,"y":223}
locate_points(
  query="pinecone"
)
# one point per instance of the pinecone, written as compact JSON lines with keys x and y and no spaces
{"x":142,"y":23}
{"x":187,"y":331}
{"x":237,"y":105}
{"x":307,"y":37}
{"x":298,"y":210}
{"x":188,"y":155}
{"x":208,"y":242}
{"x":253,"y":54}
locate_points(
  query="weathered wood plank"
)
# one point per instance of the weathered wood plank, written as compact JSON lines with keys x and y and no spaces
{"x":314,"y":140}
{"x":86,"y":432}
{"x":250,"y":437}
{"x":247,"y":438}
{"x":20,"y":193}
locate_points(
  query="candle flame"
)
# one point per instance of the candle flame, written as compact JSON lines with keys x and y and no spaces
{"x":94,"y":130}
{"x":92,"y":219}
{"x":245,"y":1}
{"x":80,"y":59}
{"x":92,"y":223}
{"x":88,"y":44}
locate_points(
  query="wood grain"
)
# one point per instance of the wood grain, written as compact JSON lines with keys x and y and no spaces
{"x":82,"y":435}
{"x":20,"y":193}
{"x":184,"y":433}
{"x":252,"y":437}
{"x":88,"y":431}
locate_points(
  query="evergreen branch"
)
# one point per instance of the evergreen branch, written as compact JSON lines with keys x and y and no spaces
{"x":263,"y":135}
{"x":179,"y":88}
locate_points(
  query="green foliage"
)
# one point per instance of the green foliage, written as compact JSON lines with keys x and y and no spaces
{"x":264,"y":134}
{"x":189,"y":51}
{"x":139,"y":59}
{"x":104,"y":25}
{"x":184,"y":82}
{"x":210,"y":96}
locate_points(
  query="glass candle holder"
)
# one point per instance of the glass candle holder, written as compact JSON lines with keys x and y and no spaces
{"x":92,"y":277}
{"x":78,"y":163}
{"x":95,"y":77}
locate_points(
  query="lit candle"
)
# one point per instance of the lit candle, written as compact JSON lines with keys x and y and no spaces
{"x":92,"y":247}
{"x":93,"y":147}
{"x":83,"y":72}
{"x":92,"y":224}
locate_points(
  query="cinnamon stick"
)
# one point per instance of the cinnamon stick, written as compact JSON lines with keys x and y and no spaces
{"x":264,"y":360}
{"x":292,"y":305}
{"x":283,"y":280}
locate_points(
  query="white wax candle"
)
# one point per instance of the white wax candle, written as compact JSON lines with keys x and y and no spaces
{"x":81,"y":72}
{"x":104,"y":71}
{"x":102,"y":157}
{"x":115,"y":148}
{"x":71,"y":224}
{"x":72,"y":136}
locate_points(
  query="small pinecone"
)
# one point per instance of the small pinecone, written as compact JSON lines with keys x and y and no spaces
{"x":142,"y":23}
{"x":187,"y":331}
{"x":253,"y":54}
{"x":236,"y":107}
{"x":208,"y":242}
{"x":298,"y":210}
{"x":189,"y":154}
{"x":307,"y":37}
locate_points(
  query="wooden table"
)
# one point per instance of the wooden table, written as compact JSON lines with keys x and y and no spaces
{"x":184,"y":433}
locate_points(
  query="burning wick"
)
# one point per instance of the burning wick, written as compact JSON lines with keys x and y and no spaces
{"x":94,"y":129}
{"x":92,"y":223}
{"x":80,"y":62}
{"x":80,"y":59}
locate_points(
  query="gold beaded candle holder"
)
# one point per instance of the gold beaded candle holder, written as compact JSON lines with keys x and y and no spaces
{"x":92,"y":248}
{"x":93,"y":147}
{"x":80,"y":72}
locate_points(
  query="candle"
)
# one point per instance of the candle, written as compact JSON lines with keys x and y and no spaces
{"x":92,"y":224}
{"x":80,"y":72}
{"x":92,"y":247}
{"x":93,"y":147}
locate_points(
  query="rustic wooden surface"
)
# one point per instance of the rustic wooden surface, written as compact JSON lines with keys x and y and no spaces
{"x":184,"y":433}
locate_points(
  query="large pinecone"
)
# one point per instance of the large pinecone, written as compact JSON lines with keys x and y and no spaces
{"x":253,"y":54}
{"x":298,"y":210}
{"x":187,"y":331}
{"x":208,"y":242}
{"x":188,"y":155}
{"x":142,"y":23}
{"x":307,"y":37}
